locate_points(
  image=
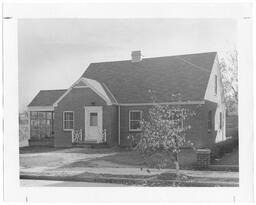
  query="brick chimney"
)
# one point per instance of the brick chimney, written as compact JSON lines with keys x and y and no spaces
{"x":136,"y":56}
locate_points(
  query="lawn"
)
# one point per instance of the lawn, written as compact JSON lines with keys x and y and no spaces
{"x":95,"y":157}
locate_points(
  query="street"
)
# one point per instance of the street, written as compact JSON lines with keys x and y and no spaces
{"x":39,"y":183}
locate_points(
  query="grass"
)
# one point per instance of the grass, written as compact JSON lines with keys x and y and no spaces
{"x":101,"y":157}
{"x":134,"y":159}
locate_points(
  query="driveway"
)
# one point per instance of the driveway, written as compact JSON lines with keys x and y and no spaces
{"x":36,"y":161}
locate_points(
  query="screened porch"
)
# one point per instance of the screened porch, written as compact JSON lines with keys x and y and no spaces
{"x":41,"y":125}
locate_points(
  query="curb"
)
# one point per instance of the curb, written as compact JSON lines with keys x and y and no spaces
{"x":233,"y":168}
{"x":129,"y":181}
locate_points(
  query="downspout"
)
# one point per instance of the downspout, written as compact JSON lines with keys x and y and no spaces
{"x":118,"y":124}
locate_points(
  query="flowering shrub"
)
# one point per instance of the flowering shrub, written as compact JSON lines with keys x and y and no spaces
{"x":165,"y":131}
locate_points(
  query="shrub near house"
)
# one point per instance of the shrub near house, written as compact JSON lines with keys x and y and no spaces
{"x":113,"y":97}
{"x":165,"y":133}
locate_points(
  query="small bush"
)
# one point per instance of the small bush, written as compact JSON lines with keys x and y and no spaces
{"x":133,"y":140}
{"x":227,"y":146}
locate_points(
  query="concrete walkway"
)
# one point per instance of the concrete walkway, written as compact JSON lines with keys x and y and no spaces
{"x":123,"y":171}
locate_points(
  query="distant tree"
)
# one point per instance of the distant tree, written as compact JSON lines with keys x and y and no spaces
{"x":164,"y":131}
{"x":229,"y":76}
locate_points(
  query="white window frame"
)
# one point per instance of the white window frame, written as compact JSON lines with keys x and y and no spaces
{"x":63,"y":120}
{"x":140,"y":111}
{"x":215,"y":84}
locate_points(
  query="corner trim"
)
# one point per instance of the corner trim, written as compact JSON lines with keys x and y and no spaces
{"x":110,"y":93}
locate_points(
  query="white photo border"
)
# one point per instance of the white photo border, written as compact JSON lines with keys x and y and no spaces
{"x":242,"y":12}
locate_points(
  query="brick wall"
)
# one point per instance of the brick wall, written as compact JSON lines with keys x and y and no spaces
{"x":75,"y":101}
{"x":198,"y":134}
{"x":203,"y":158}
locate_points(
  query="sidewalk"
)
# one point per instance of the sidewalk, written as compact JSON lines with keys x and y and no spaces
{"x":132,"y":176}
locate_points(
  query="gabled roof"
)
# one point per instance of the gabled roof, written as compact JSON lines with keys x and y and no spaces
{"x":130,"y":82}
{"x":46,"y":97}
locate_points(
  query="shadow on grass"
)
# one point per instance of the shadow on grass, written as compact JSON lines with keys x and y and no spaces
{"x":134,"y":159}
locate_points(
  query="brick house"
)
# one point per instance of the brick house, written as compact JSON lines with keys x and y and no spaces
{"x":108,"y":101}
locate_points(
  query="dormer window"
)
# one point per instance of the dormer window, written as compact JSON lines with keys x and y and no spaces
{"x":216,"y":85}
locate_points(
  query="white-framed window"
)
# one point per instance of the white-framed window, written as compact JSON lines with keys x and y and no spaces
{"x":215,"y":84}
{"x":220,"y":120}
{"x":209,"y":121}
{"x":177,"y":119}
{"x":135,"y":117}
{"x":68,"y":120}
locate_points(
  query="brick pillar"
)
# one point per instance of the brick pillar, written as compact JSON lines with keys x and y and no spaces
{"x":203,"y":158}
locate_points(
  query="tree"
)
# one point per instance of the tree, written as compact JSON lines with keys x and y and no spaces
{"x":229,"y":76}
{"x":164,"y":131}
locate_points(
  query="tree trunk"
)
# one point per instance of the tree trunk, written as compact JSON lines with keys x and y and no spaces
{"x":177,"y":166}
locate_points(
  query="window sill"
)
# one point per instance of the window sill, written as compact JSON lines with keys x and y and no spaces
{"x":135,"y":130}
{"x":68,"y":129}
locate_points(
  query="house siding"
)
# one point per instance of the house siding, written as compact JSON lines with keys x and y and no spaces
{"x":218,"y":98}
{"x":75,"y":101}
{"x":198,"y":134}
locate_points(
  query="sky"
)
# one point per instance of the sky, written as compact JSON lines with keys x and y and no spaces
{"x":54,"y":53}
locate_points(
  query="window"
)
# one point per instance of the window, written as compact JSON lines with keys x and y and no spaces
{"x":68,"y":120}
{"x":220,"y":120}
{"x":135,"y":118}
{"x":216,"y":85}
{"x":210,"y":121}
{"x":93,"y":119}
{"x":177,"y":119}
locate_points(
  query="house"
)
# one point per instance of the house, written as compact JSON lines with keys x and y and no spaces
{"x":107,"y":102}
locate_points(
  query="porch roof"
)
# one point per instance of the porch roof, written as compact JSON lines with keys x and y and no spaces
{"x":46,"y":97}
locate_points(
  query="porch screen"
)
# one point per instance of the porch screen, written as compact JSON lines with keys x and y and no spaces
{"x":41,"y":124}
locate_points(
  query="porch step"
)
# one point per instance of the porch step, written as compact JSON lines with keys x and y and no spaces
{"x":92,"y":145}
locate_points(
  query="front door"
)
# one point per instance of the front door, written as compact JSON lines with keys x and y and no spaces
{"x":93,"y":124}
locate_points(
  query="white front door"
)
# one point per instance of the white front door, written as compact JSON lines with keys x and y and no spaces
{"x":93,"y":124}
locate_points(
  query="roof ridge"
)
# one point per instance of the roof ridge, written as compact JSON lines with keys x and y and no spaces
{"x":54,"y":90}
{"x":194,"y":65}
{"x":129,"y":60}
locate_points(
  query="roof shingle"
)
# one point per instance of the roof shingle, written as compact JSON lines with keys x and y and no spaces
{"x":46,"y":97}
{"x":130,"y":82}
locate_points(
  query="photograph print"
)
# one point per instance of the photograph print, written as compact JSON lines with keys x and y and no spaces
{"x":128,"y":102}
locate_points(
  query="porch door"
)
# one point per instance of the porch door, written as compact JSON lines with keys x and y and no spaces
{"x":93,"y":124}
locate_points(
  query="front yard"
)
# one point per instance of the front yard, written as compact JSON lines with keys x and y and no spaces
{"x":115,"y":165}
{"x":88,"y":157}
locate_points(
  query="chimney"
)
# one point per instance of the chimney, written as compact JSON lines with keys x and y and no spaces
{"x":136,"y":56}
